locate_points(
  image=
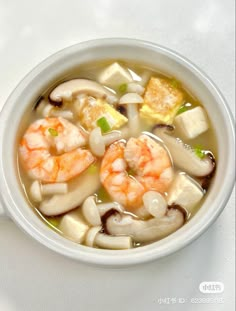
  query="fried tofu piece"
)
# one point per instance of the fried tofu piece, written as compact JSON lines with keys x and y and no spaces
{"x":91,"y":110}
{"x":162,"y":100}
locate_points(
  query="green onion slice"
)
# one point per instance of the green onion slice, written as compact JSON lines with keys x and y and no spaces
{"x":123,"y":88}
{"x":103,"y":124}
{"x":198,"y":150}
{"x":93,"y":169}
{"x":182,"y":109}
{"x":53,"y":132}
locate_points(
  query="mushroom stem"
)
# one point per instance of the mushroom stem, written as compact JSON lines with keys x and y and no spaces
{"x":132,"y":100}
{"x":91,"y":235}
{"x":111,"y":137}
{"x":133,"y":117}
{"x":37,"y":190}
{"x":95,"y":238}
{"x":98,"y":142}
{"x":125,"y":132}
{"x":113,"y":242}
{"x":48,"y":189}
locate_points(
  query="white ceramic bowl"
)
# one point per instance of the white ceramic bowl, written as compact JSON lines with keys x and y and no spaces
{"x":153,"y":55}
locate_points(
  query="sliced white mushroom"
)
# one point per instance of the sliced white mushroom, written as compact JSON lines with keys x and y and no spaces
{"x":95,"y":238}
{"x":74,"y":226}
{"x":58,"y":204}
{"x":155,"y":203}
{"x":184,"y":156}
{"x":142,"y":213}
{"x":131,"y":100}
{"x":81,"y":86}
{"x":105,"y":207}
{"x":38,"y":190}
{"x":98,"y":142}
{"x":93,"y":211}
{"x":145,"y":230}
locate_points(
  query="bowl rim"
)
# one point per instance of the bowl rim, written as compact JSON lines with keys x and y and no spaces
{"x":107,"y":257}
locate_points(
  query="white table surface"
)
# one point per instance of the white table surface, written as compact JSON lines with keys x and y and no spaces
{"x":33,"y":278}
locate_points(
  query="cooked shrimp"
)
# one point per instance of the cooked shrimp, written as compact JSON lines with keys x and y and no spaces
{"x":50,"y":150}
{"x":122,"y":187}
{"x":150,"y":163}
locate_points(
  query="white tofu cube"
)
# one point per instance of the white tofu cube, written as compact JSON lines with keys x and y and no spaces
{"x":192,"y":123}
{"x":74,"y":226}
{"x":114,"y":75}
{"x":184,"y":192}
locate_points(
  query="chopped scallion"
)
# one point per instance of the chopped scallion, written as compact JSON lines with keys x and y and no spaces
{"x":53,"y":132}
{"x":92,"y":169}
{"x":199,"y":152}
{"x":123,"y":88}
{"x":182,"y":109}
{"x":103,"y":124}
{"x":103,"y":195}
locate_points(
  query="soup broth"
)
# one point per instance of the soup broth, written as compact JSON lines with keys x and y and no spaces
{"x":116,"y":155}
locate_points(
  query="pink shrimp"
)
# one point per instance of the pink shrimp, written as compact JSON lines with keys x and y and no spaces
{"x":149,"y":161}
{"x":50,"y":150}
{"x":122,"y":187}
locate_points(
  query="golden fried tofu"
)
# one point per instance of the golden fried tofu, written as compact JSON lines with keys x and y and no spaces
{"x":91,"y":110}
{"x":161,"y":101}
